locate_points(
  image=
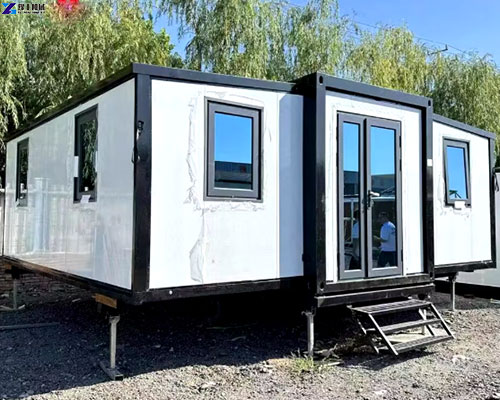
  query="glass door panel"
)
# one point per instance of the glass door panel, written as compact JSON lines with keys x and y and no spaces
{"x":351,"y":230}
{"x":369,"y":196}
{"x":383,"y":198}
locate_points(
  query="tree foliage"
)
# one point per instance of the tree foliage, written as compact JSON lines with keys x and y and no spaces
{"x":260,"y":38}
{"x":54,"y":56}
{"x":62,"y":52}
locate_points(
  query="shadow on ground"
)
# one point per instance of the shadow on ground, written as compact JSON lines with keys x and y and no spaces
{"x":236,"y":331}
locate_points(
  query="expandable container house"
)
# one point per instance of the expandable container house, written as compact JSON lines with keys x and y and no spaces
{"x":162,"y":183}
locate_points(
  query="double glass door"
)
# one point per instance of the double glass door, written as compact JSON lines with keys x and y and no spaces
{"x":369,"y":187}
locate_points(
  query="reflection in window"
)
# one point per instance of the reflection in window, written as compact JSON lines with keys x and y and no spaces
{"x":233,"y":151}
{"x":351,"y":168}
{"x":86,"y":150}
{"x":22,"y":173}
{"x":384,"y":201}
{"x":457,"y":171}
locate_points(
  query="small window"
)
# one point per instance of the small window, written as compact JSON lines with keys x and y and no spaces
{"x":86,"y":155}
{"x":233,"y":146}
{"x":22,"y":172}
{"x":457,"y":177}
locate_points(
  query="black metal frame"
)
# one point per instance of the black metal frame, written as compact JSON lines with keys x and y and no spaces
{"x":21,"y":202}
{"x":87,"y":115}
{"x":313,"y":88}
{"x":255,"y":114}
{"x":462,"y":144}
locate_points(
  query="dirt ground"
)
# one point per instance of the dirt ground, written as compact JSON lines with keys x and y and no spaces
{"x":244,"y":348}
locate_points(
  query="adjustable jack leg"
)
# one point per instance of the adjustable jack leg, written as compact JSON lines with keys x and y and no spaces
{"x":310,"y":332}
{"x":452,"y":279}
{"x":15,"y":285}
{"x":112,"y":371}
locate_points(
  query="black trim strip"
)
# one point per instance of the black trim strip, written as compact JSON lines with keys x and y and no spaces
{"x":143,"y":142}
{"x":447,"y":269}
{"x":369,"y":296}
{"x":177,"y":74}
{"x":463,"y":127}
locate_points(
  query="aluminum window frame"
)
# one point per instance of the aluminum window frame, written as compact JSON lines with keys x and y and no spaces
{"x":240,"y":110}
{"x":21,"y":145}
{"x":82,"y":117}
{"x":465,"y":145}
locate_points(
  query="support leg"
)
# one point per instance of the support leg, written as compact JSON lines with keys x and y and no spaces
{"x":112,"y":371}
{"x":310,"y":332}
{"x":15,"y":285}
{"x":452,"y":279}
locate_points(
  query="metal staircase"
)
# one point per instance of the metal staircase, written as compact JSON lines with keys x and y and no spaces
{"x":392,"y":325}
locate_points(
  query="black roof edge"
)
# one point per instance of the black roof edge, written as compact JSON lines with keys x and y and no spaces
{"x":178,"y":74}
{"x":93,"y":91}
{"x":155,"y":71}
{"x":464,"y":127}
{"x":363,"y":89}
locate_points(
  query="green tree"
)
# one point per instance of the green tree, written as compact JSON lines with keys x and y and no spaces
{"x":467,"y":88}
{"x":260,"y":38}
{"x":54,"y":56}
{"x":390,"y":58}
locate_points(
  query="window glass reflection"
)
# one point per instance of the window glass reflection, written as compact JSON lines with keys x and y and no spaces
{"x":350,"y":158}
{"x":233,"y":151}
{"x":457,"y":175}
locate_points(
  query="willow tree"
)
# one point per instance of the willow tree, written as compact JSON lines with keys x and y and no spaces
{"x":260,"y":38}
{"x":53,"y":56}
{"x":467,"y":88}
{"x":391,"y":58}
{"x":12,"y":71}
{"x":69,"y":51}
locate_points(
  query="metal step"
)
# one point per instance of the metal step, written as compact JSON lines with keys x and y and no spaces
{"x":424,"y":342}
{"x":366,"y":316}
{"x":402,"y":326}
{"x":393,"y":307}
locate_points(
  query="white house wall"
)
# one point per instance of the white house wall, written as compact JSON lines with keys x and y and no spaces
{"x":487,"y":277}
{"x":198,"y":241}
{"x":411,"y":154}
{"x":91,"y":240}
{"x":462,"y":235}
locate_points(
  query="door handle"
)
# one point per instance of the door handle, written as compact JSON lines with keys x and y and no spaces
{"x":369,"y":197}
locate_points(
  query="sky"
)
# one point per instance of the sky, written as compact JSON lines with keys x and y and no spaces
{"x":464,"y":25}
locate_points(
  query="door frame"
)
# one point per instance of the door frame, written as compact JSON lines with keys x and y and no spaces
{"x":367,"y":269}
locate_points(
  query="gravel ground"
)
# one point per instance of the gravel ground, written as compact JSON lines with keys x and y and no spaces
{"x":244,"y":349}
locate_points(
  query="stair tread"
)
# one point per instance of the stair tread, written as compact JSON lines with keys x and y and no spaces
{"x":391,"y":307}
{"x":425,"y":341}
{"x":400,"y":326}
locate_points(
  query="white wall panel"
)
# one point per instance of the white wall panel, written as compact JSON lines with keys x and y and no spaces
{"x":411,"y":154}
{"x":199,"y":241}
{"x":89,"y":240}
{"x":462,"y":235}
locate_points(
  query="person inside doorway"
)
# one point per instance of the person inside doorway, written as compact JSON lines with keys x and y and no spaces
{"x":355,"y":262}
{"x":387,"y":241}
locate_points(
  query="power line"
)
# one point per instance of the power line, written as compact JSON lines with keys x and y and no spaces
{"x":291,"y":3}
